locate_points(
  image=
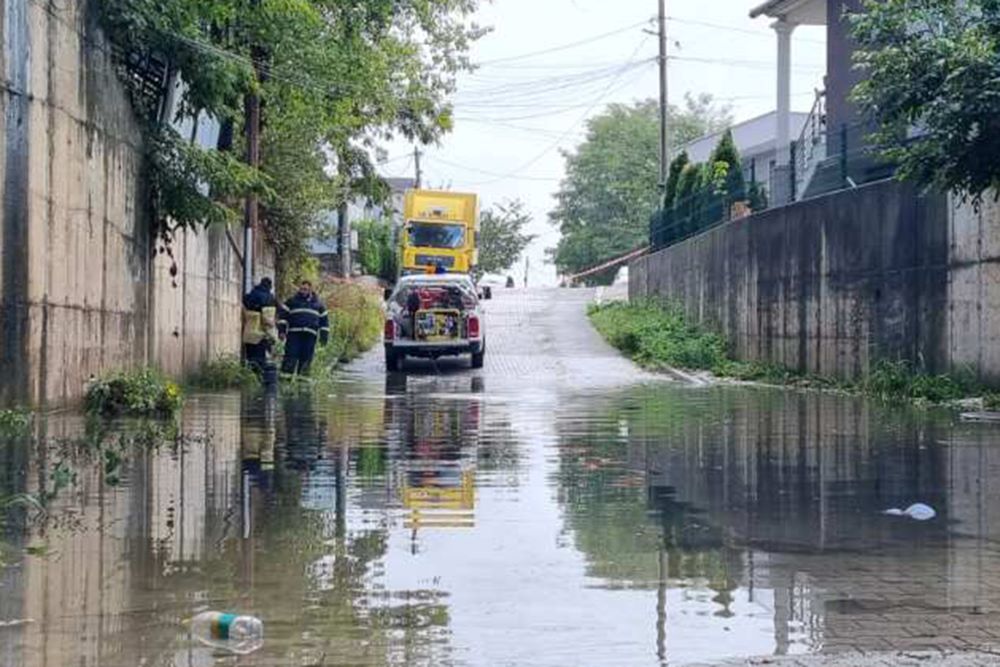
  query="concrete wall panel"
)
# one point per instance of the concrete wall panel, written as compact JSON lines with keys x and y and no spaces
{"x":830,"y":285}
{"x":82,"y":289}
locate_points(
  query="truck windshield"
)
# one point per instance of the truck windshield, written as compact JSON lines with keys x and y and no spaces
{"x":431,"y":235}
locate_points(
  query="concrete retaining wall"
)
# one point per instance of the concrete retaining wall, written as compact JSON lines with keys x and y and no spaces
{"x":832,"y":284}
{"x":82,"y":287}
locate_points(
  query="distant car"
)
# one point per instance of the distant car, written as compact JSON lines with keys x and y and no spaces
{"x":433,"y":316}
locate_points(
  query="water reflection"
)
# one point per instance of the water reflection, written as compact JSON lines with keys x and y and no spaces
{"x":429,"y":521}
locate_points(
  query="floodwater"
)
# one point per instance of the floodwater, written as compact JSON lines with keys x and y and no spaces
{"x":436,"y":521}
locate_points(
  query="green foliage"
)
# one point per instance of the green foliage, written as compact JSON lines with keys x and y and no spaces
{"x":502,"y":238}
{"x":612,"y":180}
{"x":654,"y":336}
{"x":733,"y":184}
{"x":224,"y":372}
{"x":677,"y":166}
{"x":356,"y":320}
{"x":661,"y":337}
{"x":757,"y":197}
{"x":145,"y":392}
{"x":898,"y":380}
{"x":190,"y":187}
{"x":376,"y":249}
{"x":933,"y":65}
{"x":701,"y":195}
{"x":14,"y":423}
{"x":334,"y":77}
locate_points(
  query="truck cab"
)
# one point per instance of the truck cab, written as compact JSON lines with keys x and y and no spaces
{"x":441,"y":230}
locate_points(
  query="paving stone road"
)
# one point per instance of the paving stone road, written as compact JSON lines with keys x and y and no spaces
{"x":535,"y":338}
{"x":540,"y":340}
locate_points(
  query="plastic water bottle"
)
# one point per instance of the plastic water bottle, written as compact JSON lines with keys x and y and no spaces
{"x":238,"y":633}
{"x":916,"y":511}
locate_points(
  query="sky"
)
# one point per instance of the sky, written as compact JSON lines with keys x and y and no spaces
{"x":549,"y":65}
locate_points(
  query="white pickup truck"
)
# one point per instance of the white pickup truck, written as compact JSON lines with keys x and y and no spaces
{"x":433,"y":316}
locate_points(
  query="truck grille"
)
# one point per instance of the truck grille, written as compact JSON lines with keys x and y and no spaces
{"x":433,"y":260}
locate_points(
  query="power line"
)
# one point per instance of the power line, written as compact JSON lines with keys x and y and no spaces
{"x":608,"y":91}
{"x":733,"y":62}
{"x":564,"y":47}
{"x":492,"y":173}
{"x":730,"y":28}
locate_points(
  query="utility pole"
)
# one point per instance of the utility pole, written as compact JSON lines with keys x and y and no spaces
{"x":251,"y":112}
{"x":416,"y":162}
{"x":664,"y":108}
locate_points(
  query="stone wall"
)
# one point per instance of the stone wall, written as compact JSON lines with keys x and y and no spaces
{"x":83,"y":289}
{"x":831,"y":284}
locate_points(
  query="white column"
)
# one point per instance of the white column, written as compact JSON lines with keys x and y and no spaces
{"x":784,"y":107}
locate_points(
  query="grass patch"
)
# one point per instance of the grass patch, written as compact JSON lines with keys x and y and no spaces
{"x":14,"y":423}
{"x":657,"y":337}
{"x":356,"y":319}
{"x":141,"y":393}
{"x":224,"y":372}
{"x":661,"y":337}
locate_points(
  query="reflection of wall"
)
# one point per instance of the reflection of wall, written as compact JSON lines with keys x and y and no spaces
{"x":107,"y":590}
{"x":798,"y":482}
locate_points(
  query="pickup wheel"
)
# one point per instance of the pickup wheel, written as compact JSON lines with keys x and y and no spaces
{"x":393,"y":360}
{"x":479,"y":358}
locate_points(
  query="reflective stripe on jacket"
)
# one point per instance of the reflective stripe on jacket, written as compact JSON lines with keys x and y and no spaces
{"x":303,"y":315}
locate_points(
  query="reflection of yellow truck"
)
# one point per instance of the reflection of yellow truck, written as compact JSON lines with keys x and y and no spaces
{"x":441,"y":229}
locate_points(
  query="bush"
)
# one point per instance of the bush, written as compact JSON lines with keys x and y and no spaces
{"x":144,"y":392}
{"x":895,"y":380}
{"x":356,"y":319}
{"x":656,"y":337}
{"x":14,"y":422}
{"x":225,"y":372}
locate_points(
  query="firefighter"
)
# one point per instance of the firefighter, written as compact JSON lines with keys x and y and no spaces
{"x":259,"y":310}
{"x":301,"y":321}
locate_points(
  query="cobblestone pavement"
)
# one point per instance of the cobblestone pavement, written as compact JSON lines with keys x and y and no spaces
{"x":536,"y":339}
{"x":894,"y":659}
{"x":871,"y":594}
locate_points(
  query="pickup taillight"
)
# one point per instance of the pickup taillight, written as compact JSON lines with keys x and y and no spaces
{"x":473,"y":327}
{"x":390,"y":330}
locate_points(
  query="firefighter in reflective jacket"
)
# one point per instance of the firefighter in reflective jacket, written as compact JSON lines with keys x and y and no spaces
{"x":301,"y":321}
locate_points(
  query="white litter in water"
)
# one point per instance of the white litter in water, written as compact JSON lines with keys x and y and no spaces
{"x":917,"y":512}
{"x":16,"y":622}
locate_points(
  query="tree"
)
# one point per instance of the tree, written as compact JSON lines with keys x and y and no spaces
{"x":502,"y":238}
{"x":734,"y":186}
{"x":933,"y":66}
{"x":611,"y":187}
{"x":376,"y":250}
{"x":335,"y":77}
{"x":673,"y":178}
{"x":685,"y":204}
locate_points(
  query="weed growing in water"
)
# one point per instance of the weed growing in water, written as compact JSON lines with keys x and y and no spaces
{"x":143,"y":393}
{"x":14,"y":423}
{"x":225,"y":372}
{"x":655,"y":337}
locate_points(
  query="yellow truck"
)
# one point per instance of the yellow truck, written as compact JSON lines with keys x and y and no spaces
{"x":440,"y":232}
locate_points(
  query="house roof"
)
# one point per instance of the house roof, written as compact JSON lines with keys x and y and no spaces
{"x":797,"y":12}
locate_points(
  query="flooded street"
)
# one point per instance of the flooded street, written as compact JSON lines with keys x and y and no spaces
{"x":557,"y":508}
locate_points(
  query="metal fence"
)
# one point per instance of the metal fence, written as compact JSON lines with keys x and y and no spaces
{"x":822,"y":161}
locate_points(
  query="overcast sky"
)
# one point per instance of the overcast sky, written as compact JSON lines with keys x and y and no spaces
{"x":515,"y":113}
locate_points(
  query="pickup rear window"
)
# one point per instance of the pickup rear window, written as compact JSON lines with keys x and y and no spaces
{"x":434,"y":235}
